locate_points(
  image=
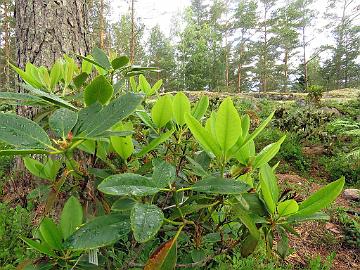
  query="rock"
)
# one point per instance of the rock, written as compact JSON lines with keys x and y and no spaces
{"x":332,"y":228}
{"x":332,"y":111}
{"x":352,"y":194}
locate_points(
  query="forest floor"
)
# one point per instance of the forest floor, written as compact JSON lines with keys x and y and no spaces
{"x":320,"y":238}
{"x":324,"y":239}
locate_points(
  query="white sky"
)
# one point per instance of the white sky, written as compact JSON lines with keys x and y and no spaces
{"x":160,"y":12}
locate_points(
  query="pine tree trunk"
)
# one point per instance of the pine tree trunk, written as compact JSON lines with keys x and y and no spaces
{"x":6,"y":34}
{"x":45,"y":31}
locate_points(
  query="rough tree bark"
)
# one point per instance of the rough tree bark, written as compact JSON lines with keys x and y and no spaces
{"x":45,"y":30}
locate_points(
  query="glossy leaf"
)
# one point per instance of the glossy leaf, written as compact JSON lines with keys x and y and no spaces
{"x":39,"y":247}
{"x":245,"y":218}
{"x":21,"y":98}
{"x":62,"y":121}
{"x":99,"y":90}
{"x":55,"y":74}
{"x":181,"y":107}
{"x":218,"y":185}
{"x":227,"y":125}
{"x":268,"y":153}
{"x":101,"y":58}
{"x":287,"y":207}
{"x":155,"y":142}
{"x":144,"y":85}
{"x":164,"y":258}
{"x":164,"y":174}
{"x":87,"y":66}
{"x":146,"y":221}
{"x":99,"y":232}
{"x":200,"y":107}
{"x":22,"y":152}
{"x":22,"y":132}
{"x":128,"y":184}
{"x":47,"y":170}
{"x":249,"y":245}
{"x":269,"y":187}
{"x":321,"y":198}
{"x":71,"y":217}
{"x":123,"y":204}
{"x":49,"y":97}
{"x":27,"y":77}
{"x":103,"y":118}
{"x":156,"y":86}
{"x":302,"y":218}
{"x":51,"y":234}
{"x":161,"y":112}
{"x":120,"y":62}
{"x":123,"y":145}
{"x":203,"y":136}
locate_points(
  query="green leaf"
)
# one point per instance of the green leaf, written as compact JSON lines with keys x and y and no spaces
{"x":144,"y":116}
{"x":55,"y":74}
{"x":181,"y":107}
{"x":227,"y":125}
{"x":80,"y":79}
{"x":97,"y":66}
{"x":245,"y":218}
{"x":27,"y":77}
{"x":203,"y":136}
{"x":218,"y":185}
{"x":99,"y":90}
{"x":71,"y":217}
{"x":287,"y":208}
{"x":156,"y":86}
{"x":123,"y":204}
{"x":62,"y":121}
{"x":301,"y":218}
{"x":22,"y":132}
{"x":164,"y":258}
{"x":200,"y":108}
{"x":123,"y":145}
{"x":161,"y":112}
{"x":133,"y":84}
{"x":269,"y":187}
{"x":146,"y":221}
{"x":164,"y":174}
{"x":188,"y":209}
{"x":22,"y":152}
{"x":245,"y":127}
{"x":95,"y":119}
{"x":128,"y":184}
{"x":86,"y":66}
{"x":120,"y":62}
{"x":246,"y":153}
{"x":101,"y":231}
{"x":51,"y":234}
{"x":322,"y":198}
{"x":144,"y":85}
{"x":260,"y":128}
{"x":48,"y":170}
{"x":39,"y":247}
{"x":53,"y":99}
{"x":268,"y":153}
{"x":155,"y":142}
{"x":21,"y":99}
{"x":101,"y":58}
{"x":248,"y":245}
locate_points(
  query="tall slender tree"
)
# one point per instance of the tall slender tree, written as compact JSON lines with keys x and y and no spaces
{"x":245,"y":28}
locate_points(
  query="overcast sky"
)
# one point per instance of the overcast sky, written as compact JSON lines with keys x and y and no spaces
{"x":160,"y":12}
